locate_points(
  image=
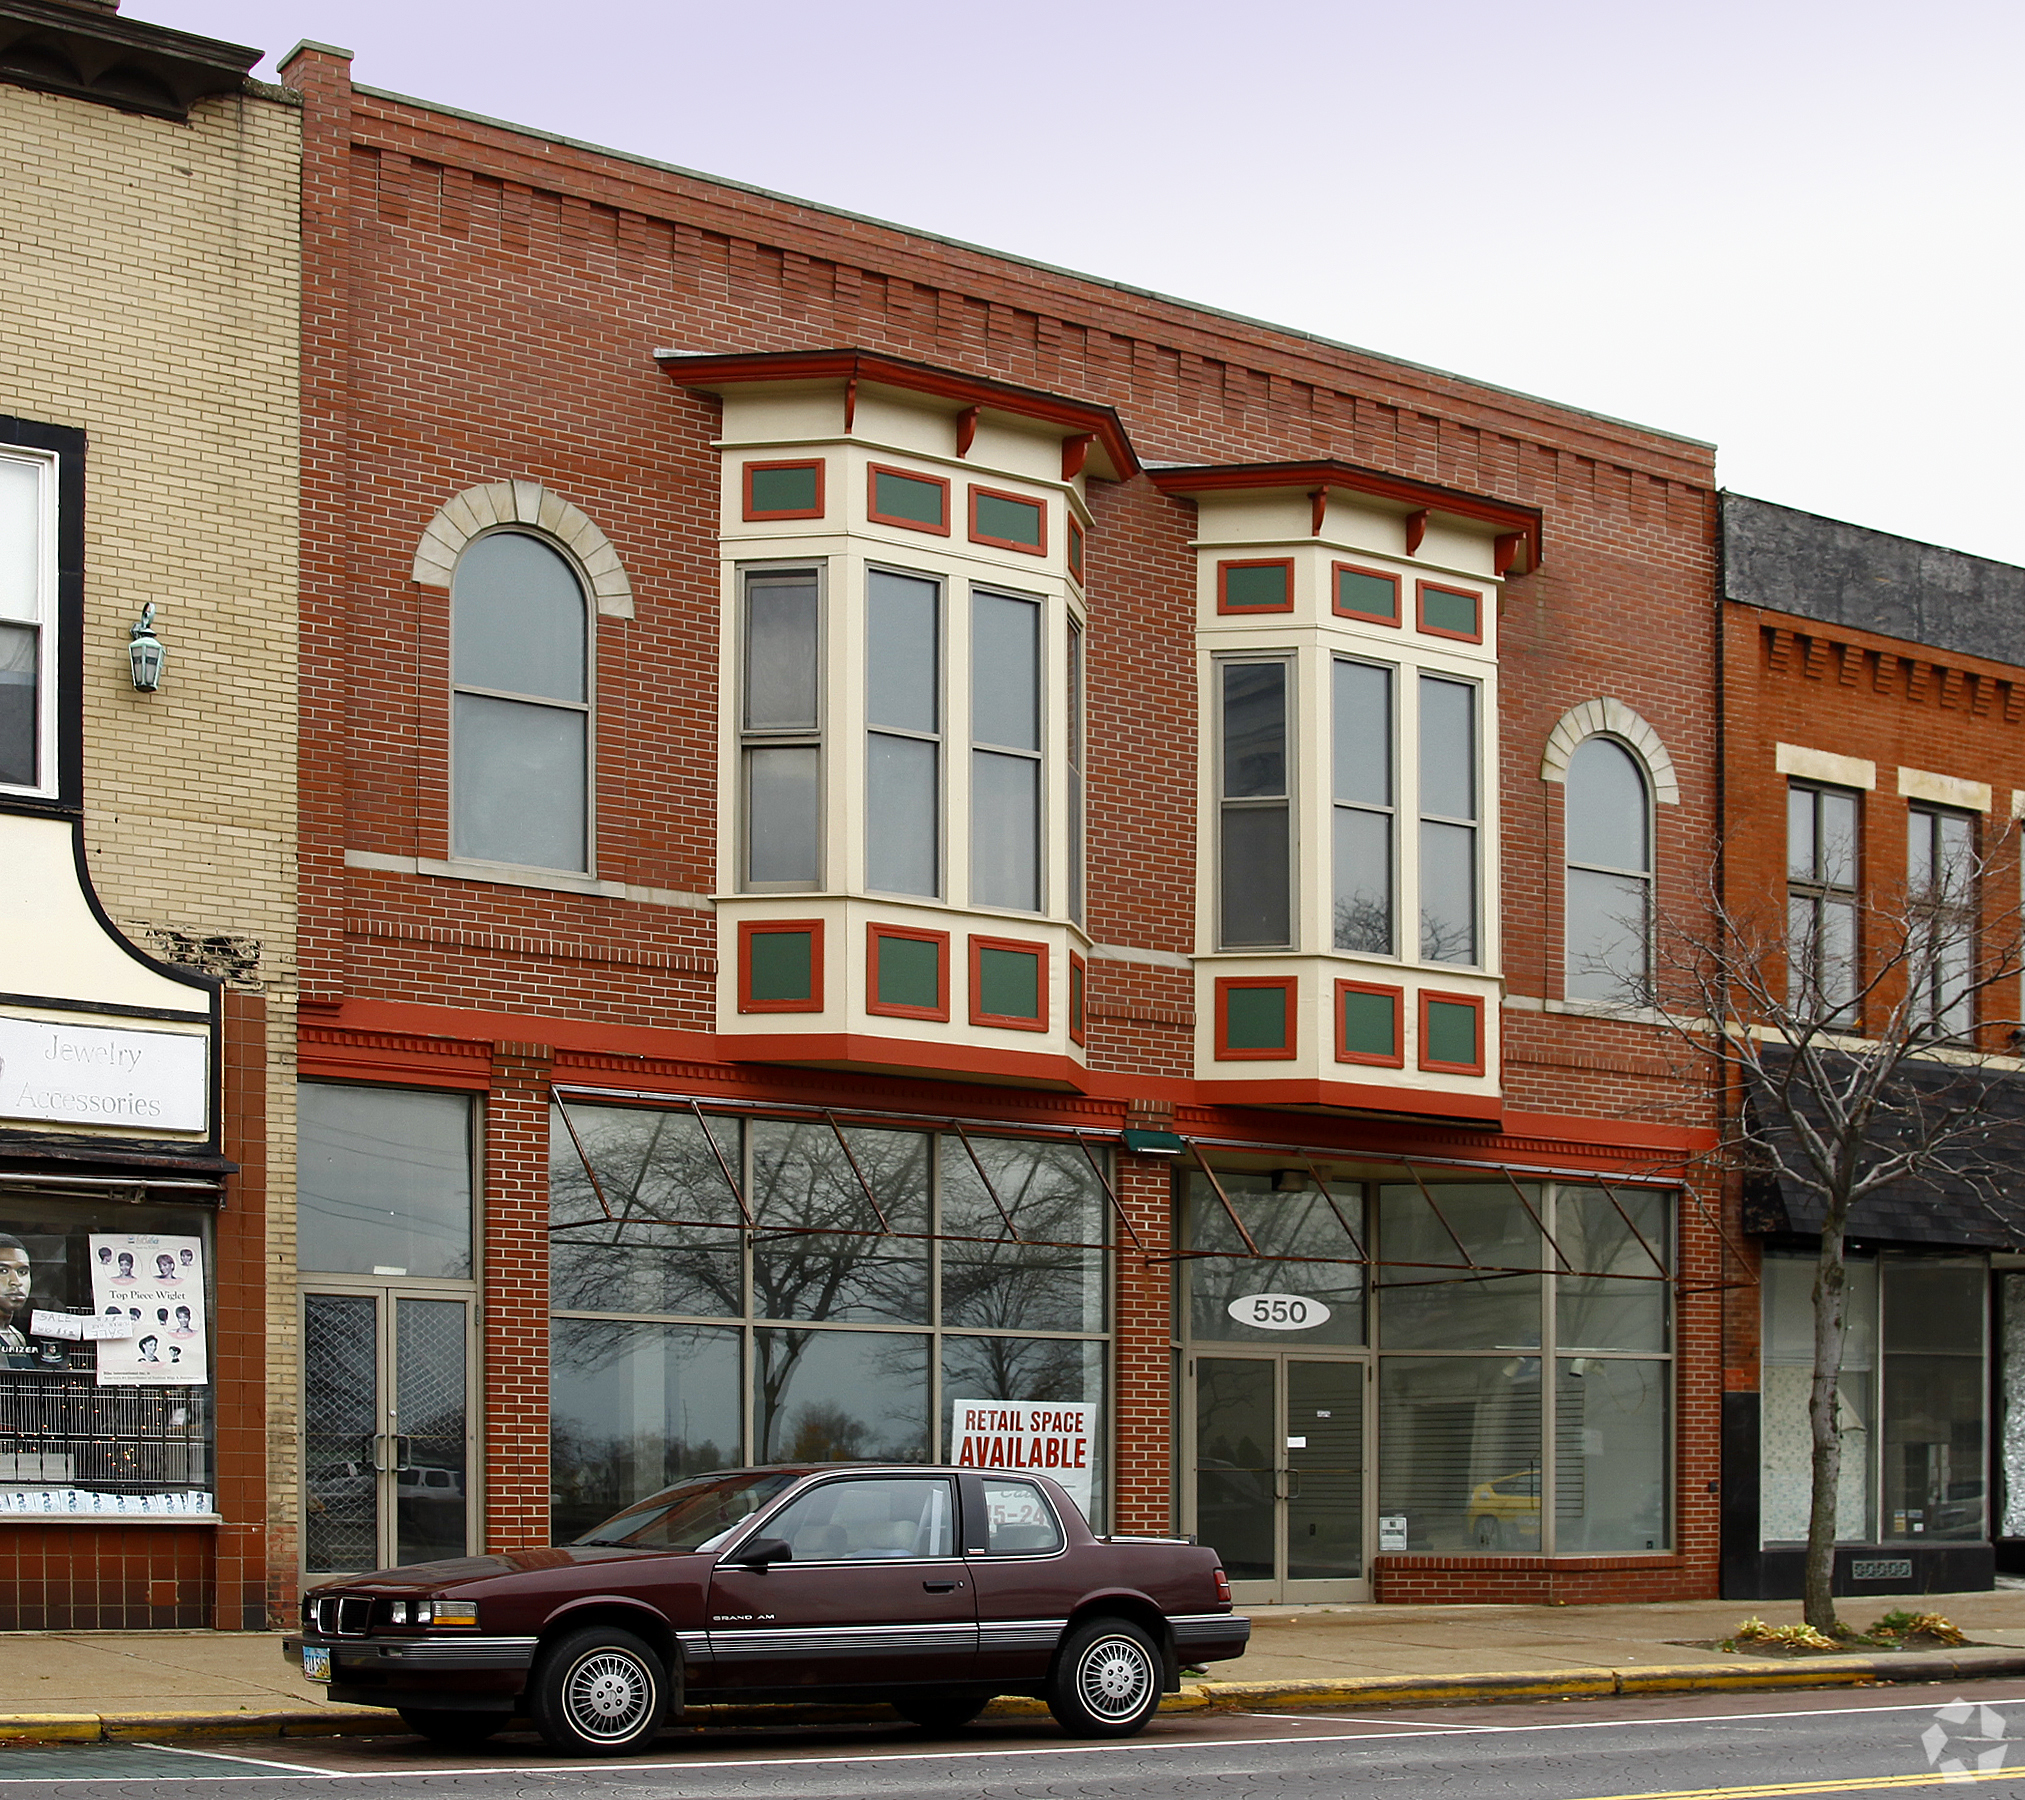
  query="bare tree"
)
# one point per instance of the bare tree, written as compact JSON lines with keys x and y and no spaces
{"x":1857,"y":1041}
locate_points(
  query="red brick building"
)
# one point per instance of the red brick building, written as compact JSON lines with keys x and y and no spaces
{"x":887,"y":827}
{"x":1871,"y":721}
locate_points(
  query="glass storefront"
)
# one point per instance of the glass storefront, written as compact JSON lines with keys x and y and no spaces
{"x":886,"y":1276}
{"x":1473,"y":1290}
{"x":114,"y":1424}
{"x":1913,"y":1400}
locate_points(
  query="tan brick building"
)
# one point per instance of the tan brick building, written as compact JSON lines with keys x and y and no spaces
{"x":148,"y":457}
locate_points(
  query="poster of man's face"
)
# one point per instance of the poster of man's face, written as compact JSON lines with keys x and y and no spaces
{"x":17,"y":1275}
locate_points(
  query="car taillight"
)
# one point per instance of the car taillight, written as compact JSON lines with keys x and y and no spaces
{"x":1222,"y":1585}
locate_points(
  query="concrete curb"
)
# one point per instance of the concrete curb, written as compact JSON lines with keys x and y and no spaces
{"x":1202,"y":1696}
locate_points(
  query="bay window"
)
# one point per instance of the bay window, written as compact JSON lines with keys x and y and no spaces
{"x":903,"y":751}
{"x":1075,"y":750}
{"x":780,"y":728}
{"x":1254,"y":795}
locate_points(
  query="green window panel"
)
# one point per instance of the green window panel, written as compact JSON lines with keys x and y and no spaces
{"x":910,"y":973}
{"x":1258,"y":584}
{"x":1009,"y":983}
{"x":781,"y":965}
{"x":1370,"y":1023}
{"x":907,"y":497}
{"x":786,"y":490}
{"x":1441,"y":610}
{"x":1015,"y":521}
{"x":1372,"y":595}
{"x":1255,"y":1018}
{"x":1451,"y":1033}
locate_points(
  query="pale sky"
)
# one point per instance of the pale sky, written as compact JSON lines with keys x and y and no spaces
{"x":1790,"y":227}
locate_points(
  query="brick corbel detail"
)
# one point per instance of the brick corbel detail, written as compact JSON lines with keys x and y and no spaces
{"x":514,"y":1373}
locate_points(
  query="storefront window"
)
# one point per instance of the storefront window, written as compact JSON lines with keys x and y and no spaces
{"x":1913,"y":1400}
{"x":684,"y":1343}
{"x":1285,"y":1222}
{"x":1426,"y":1232}
{"x":1459,"y":1454}
{"x":114,"y":1424}
{"x":384,"y":1182}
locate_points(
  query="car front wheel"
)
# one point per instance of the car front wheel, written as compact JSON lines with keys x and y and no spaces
{"x":598,"y":1692}
{"x":1106,"y":1681}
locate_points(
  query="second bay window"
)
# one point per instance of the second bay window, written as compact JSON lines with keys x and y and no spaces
{"x":780,"y":729}
{"x":903,"y":750}
{"x":1362,"y":807}
{"x":1253,"y":778}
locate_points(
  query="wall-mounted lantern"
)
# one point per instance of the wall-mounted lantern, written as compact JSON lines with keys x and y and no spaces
{"x":145,"y":653}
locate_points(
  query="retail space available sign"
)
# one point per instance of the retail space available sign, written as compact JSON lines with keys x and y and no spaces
{"x":1055,"y":1438}
{"x":94,"y":1075}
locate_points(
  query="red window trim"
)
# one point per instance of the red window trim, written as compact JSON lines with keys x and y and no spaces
{"x":1476,"y":1003}
{"x":890,"y":1009}
{"x":1421,"y":590}
{"x":1350,"y":612}
{"x":872,"y":473}
{"x":819,"y":464}
{"x":1291,"y":984}
{"x":748,"y":929}
{"x":1006,"y":1021}
{"x":1079,"y":998}
{"x":978,"y":537}
{"x":1076,"y":550}
{"x":1397,"y":995}
{"x":1223,"y":569}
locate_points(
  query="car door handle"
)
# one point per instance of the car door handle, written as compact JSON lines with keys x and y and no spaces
{"x":940,"y":1587}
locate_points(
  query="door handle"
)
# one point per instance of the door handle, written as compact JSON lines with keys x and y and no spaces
{"x":940,"y":1587}
{"x":381,"y":1453}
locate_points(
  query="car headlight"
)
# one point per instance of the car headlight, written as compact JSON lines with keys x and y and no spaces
{"x":435,"y":1612}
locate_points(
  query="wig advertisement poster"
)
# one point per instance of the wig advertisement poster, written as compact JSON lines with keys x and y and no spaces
{"x":158,"y":1284}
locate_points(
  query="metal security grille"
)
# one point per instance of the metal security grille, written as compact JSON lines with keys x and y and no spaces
{"x":340,"y":1405}
{"x":60,"y":1429}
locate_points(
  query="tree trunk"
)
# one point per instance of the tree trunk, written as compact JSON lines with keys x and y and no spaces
{"x":1824,"y":1419}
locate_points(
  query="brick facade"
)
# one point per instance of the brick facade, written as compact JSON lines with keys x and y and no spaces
{"x":481,"y":305}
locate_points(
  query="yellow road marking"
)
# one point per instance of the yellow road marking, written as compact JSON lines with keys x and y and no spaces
{"x":1850,"y":1785}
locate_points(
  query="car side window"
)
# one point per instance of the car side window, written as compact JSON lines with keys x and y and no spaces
{"x":877,"y":1517}
{"x":1019,"y":1520}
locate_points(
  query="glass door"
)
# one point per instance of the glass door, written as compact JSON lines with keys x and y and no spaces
{"x":386,"y":1440}
{"x":1279,"y":1487}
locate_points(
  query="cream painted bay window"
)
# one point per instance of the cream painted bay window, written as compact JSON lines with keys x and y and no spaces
{"x":1005,"y":759}
{"x":1363,"y":807}
{"x":1448,"y":821}
{"x":1255,"y":860}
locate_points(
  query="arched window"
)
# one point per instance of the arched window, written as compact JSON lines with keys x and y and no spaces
{"x":520,"y":757}
{"x":1609,"y":889}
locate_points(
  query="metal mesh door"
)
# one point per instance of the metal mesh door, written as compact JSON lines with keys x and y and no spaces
{"x":341,"y":1404}
{"x":429,"y":1404}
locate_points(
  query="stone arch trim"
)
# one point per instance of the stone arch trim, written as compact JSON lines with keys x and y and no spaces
{"x":479,"y":509}
{"x":1610,"y":718}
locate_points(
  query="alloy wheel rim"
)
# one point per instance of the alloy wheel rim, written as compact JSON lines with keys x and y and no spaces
{"x":1114,"y":1677}
{"x":607,"y":1695}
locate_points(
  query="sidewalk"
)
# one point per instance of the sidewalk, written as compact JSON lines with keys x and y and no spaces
{"x":89,"y":1685}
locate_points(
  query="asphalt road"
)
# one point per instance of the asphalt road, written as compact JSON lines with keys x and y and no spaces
{"x":1726,"y":1747}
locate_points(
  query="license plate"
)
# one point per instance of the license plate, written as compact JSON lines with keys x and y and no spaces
{"x":315,"y":1663}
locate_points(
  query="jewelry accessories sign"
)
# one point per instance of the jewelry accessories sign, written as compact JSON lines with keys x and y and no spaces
{"x":93,"y":1075}
{"x":1048,"y":1437}
{"x":157,"y":1284}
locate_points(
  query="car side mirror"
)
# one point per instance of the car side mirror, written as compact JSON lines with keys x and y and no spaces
{"x":762,"y":1552}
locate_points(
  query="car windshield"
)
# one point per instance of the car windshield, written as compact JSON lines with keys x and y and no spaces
{"x":692,"y":1515}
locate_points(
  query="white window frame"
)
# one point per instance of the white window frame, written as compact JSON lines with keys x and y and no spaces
{"x":1649,"y":874}
{"x":1480,"y":826}
{"x":1289,"y":659}
{"x":943,"y":737}
{"x":1042,"y":761}
{"x":588,"y":707}
{"x":47,"y":623}
{"x":747,"y":739}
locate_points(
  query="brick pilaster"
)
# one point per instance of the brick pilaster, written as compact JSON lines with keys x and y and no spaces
{"x":514,"y":1371}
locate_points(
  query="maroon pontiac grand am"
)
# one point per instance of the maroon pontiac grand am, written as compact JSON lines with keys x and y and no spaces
{"x":933,"y":1589}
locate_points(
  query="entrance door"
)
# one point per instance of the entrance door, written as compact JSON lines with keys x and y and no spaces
{"x":386,"y":1449}
{"x":1279,"y":1475}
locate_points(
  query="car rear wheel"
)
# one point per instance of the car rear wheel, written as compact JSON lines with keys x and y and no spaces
{"x":452,"y":1729}
{"x":939,"y":1712}
{"x":598,"y":1692}
{"x":1106,"y":1681}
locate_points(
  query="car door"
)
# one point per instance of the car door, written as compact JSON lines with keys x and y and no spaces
{"x":1022,"y":1572}
{"x":873,"y":1593}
